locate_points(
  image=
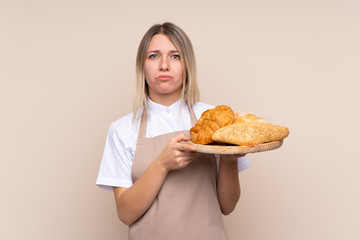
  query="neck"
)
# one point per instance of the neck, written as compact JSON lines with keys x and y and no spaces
{"x":165,"y":99}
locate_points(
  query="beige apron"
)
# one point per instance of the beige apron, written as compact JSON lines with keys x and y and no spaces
{"x":187,"y":206}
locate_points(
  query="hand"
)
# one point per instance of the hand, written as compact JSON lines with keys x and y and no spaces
{"x":176,"y":154}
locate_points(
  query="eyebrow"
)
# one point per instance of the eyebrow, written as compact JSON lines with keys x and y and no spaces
{"x":157,"y":51}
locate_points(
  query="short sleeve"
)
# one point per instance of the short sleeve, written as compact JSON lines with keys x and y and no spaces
{"x":243,"y":162}
{"x":116,"y":163}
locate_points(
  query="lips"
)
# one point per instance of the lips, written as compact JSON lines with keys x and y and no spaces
{"x":164,"y":77}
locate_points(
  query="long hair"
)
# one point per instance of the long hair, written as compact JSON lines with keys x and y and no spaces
{"x":190,"y":91}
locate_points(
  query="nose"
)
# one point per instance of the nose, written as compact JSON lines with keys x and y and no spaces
{"x":164,"y":64}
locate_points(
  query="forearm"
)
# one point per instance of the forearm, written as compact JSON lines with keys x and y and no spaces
{"x":228,"y":186}
{"x":135,"y":201}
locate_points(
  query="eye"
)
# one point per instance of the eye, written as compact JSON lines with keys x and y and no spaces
{"x":176,"y":56}
{"x":153,"y":56}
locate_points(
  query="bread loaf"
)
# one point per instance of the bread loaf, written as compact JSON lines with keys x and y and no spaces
{"x":244,"y":117}
{"x":250,"y":133}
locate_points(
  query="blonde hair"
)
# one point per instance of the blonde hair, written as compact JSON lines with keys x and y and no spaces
{"x":190,"y":91}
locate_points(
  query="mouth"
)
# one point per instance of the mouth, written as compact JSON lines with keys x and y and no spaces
{"x":164,"y":77}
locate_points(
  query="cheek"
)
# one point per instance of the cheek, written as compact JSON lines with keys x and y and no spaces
{"x":181,"y":80}
{"x":179,"y":71}
{"x":147,"y":71}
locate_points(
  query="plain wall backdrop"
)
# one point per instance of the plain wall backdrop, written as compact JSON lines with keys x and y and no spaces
{"x":67,"y":71}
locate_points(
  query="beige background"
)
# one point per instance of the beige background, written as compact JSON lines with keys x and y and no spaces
{"x":67,"y":72}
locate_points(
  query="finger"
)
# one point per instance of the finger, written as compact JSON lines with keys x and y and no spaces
{"x":186,"y":162}
{"x":185,"y":147}
{"x":180,"y":138}
{"x":188,"y":155}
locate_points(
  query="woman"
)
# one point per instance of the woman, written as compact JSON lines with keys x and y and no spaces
{"x":163,"y":188}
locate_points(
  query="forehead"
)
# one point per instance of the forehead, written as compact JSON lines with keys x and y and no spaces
{"x":161,"y":42}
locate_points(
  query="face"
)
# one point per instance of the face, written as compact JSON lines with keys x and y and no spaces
{"x":163,"y":70}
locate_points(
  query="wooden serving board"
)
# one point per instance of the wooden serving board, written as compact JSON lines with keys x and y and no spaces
{"x":231,"y":149}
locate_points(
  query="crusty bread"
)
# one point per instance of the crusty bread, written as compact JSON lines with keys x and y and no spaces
{"x":244,"y":117}
{"x":210,"y":121}
{"x":223,"y":126}
{"x":250,"y":133}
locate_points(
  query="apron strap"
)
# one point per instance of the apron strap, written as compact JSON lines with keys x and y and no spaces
{"x":143,"y":124}
{"x":193,"y":117}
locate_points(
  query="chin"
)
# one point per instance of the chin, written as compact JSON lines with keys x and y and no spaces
{"x":168,"y":91}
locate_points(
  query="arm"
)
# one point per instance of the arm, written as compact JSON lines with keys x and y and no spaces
{"x":228,"y":186}
{"x":133,"y":202}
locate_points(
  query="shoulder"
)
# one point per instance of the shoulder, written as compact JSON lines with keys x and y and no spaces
{"x":124,"y":127}
{"x":124,"y":121}
{"x":200,"y":107}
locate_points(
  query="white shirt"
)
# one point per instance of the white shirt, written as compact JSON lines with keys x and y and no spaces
{"x":120,"y":146}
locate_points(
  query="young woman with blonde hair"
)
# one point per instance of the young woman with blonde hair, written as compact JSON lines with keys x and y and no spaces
{"x":164,"y":189}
